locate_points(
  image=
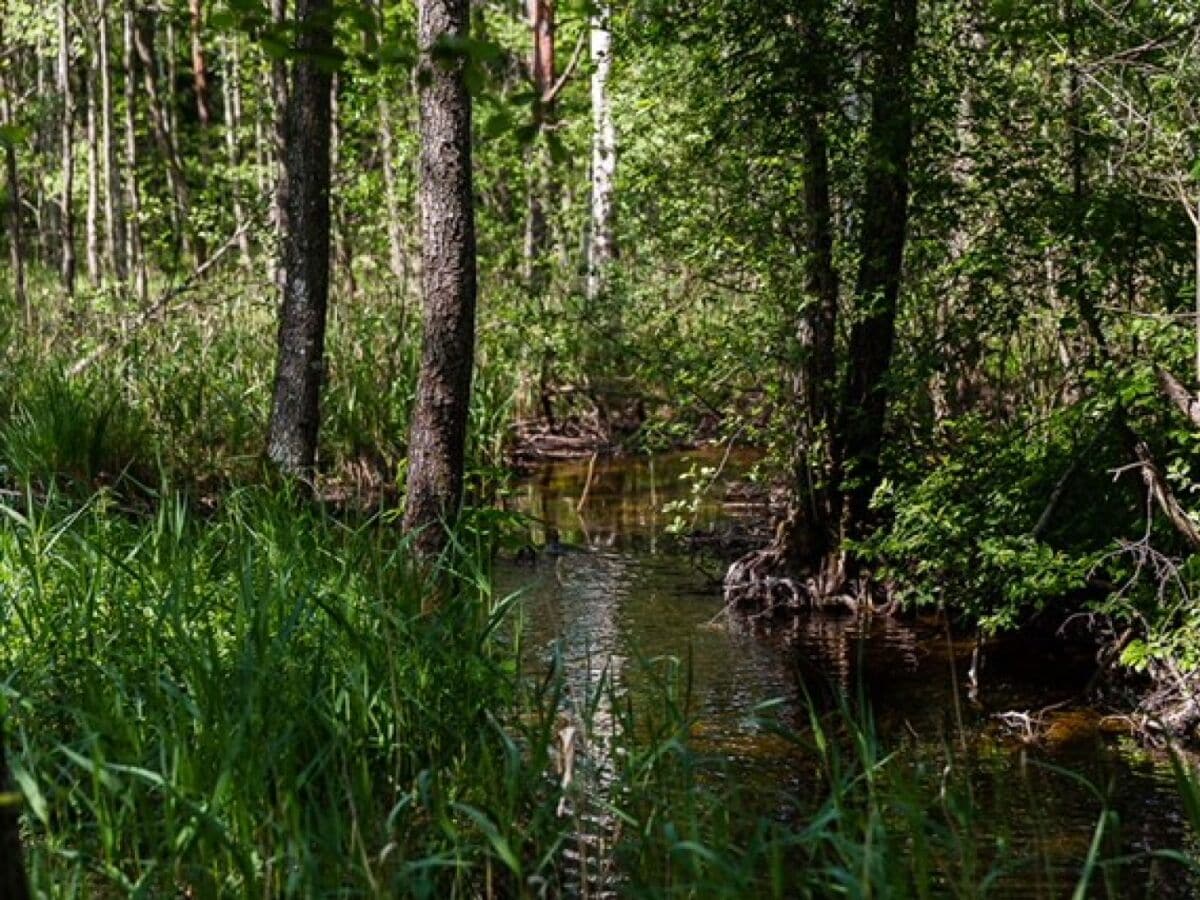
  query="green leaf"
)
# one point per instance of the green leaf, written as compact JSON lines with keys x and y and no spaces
{"x":13,"y":135}
{"x":495,"y":838}
{"x":558,"y":150}
{"x":33,"y":794}
{"x":497,"y":124}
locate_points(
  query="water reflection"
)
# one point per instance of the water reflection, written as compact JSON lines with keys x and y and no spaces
{"x":613,"y":591}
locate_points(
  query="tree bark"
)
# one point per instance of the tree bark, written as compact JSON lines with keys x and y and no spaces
{"x":199,"y":64}
{"x":279,"y":100}
{"x":806,"y":539}
{"x":13,"y":884}
{"x":92,"y":222}
{"x":814,"y":497}
{"x":67,"y":150}
{"x":343,"y":253}
{"x":884,"y":231}
{"x":437,"y":445}
{"x":231,"y":95}
{"x":16,"y":248}
{"x":295,"y":410}
{"x":135,"y":252}
{"x":541,"y":22}
{"x":114,"y":212}
{"x":602,"y":247}
{"x":397,"y":252}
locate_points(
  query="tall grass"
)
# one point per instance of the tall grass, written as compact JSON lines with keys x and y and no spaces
{"x":252,"y":705}
{"x":228,"y":691}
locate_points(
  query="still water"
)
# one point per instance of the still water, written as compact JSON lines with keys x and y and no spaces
{"x":616,"y":592}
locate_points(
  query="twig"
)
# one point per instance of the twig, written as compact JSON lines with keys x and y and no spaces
{"x":552,"y":94}
{"x":588,"y":486}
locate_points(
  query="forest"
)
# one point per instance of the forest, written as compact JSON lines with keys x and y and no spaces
{"x":599,"y":448}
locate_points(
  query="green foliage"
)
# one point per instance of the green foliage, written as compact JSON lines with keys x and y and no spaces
{"x":253,"y":704}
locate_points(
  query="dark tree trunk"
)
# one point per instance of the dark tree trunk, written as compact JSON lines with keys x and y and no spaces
{"x":806,"y":539}
{"x":541,"y":187}
{"x":814,"y":529}
{"x":66,"y":204}
{"x":438,"y":439}
{"x":835,"y":463}
{"x":295,"y":410}
{"x":114,"y":212}
{"x":199,"y":64}
{"x":16,"y":248}
{"x":279,"y":102}
{"x":13,"y":885}
{"x":884,"y":229}
{"x":135,"y":251}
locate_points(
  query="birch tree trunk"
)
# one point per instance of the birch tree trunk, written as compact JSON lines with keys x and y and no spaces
{"x":602,"y":248}
{"x":231,"y":96}
{"x":342,"y":253}
{"x":295,"y":409}
{"x":437,"y":445}
{"x":114,"y":212}
{"x":67,"y":151}
{"x":397,"y":252}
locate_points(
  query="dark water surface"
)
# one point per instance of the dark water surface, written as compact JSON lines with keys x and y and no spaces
{"x":616,"y":593}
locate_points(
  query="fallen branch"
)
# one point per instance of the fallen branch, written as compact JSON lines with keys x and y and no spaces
{"x":138,"y":322}
{"x":1161,"y":492}
{"x":1180,"y":396}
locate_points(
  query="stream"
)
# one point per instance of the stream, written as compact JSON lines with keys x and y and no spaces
{"x":614,"y":591}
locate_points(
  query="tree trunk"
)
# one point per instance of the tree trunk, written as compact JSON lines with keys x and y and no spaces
{"x":279,"y":100}
{"x":295,"y":410}
{"x":437,"y":445}
{"x":541,"y":22}
{"x":343,"y":254}
{"x":397,"y":252}
{"x":67,"y":150}
{"x":884,"y":230}
{"x":135,"y":252}
{"x":160,"y":127}
{"x":16,"y":250}
{"x":231,"y":96}
{"x":13,"y":884}
{"x":806,"y":539}
{"x":814,"y":499}
{"x":114,"y":212}
{"x":92,"y":223}
{"x":602,"y":247}
{"x":199,"y":65}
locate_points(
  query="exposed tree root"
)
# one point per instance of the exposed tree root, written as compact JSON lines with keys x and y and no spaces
{"x":775,"y":580}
